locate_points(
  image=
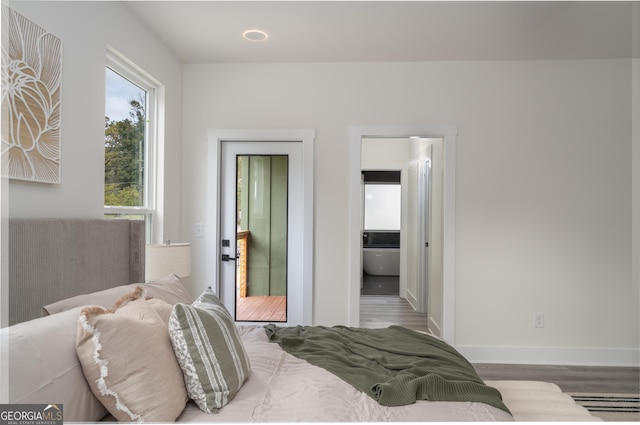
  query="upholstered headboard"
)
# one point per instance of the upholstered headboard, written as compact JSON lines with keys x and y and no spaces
{"x":53,"y":259}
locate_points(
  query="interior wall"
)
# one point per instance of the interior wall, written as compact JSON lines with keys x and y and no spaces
{"x":86,"y":29}
{"x":543,"y":186}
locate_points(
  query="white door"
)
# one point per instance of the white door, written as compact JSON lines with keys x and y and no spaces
{"x":424,"y":220}
{"x":282,"y":251}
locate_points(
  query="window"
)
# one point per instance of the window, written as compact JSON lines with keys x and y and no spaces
{"x":382,"y":200}
{"x":382,"y":207}
{"x":129,"y":143}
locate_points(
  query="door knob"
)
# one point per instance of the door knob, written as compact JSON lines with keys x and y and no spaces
{"x":226,"y":257}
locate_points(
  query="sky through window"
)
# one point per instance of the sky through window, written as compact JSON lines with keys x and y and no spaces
{"x":119,"y":94}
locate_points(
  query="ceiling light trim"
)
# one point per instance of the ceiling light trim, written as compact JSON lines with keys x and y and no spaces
{"x":255,"y":35}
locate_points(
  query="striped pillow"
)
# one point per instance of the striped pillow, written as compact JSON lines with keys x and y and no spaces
{"x":209,"y":351}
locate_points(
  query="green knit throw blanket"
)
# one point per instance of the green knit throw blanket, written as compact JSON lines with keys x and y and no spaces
{"x":395,"y":366}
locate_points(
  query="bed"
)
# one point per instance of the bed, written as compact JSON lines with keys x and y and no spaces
{"x":62,"y":358}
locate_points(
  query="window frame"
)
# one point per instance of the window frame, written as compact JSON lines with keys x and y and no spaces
{"x":131,"y":72}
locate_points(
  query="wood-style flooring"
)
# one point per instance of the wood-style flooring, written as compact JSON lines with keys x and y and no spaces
{"x":261,"y":309}
{"x":576,"y":379}
{"x":382,"y":311}
{"x":379,"y":311}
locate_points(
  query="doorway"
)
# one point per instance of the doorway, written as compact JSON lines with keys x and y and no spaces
{"x":261,"y":207}
{"x":441,"y":295}
{"x":396,"y":223}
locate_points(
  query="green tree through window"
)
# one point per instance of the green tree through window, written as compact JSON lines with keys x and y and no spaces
{"x":124,"y":158}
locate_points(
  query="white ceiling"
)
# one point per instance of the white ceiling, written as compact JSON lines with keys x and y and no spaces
{"x":346,"y":31}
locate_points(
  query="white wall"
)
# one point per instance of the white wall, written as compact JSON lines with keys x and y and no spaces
{"x":543,"y":195}
{"x":86,"y":29}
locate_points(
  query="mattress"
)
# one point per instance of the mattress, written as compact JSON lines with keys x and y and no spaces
{"x":283,"y":388}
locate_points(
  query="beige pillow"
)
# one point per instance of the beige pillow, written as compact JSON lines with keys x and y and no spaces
{"x":128,"y":361}
{"x":105,"y":298}
{"x":169,"y":289}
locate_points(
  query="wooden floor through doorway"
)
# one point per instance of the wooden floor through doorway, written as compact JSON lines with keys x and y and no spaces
{"x":262,"y":309}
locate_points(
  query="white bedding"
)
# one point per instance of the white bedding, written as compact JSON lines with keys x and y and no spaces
{"x":283,"y":388}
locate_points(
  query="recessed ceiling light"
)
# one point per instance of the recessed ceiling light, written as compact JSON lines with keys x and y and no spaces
{"x":255,"y":35}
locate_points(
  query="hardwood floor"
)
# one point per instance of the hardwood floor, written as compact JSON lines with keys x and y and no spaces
{"x":580,"y":379}
{"x":262,"y":309}
{"x":381,"y":311}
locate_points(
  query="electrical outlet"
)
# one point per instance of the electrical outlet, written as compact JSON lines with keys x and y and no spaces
{"x":538,"y":320}
{"x":198,"y":230}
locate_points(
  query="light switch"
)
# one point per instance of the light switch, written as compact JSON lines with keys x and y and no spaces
{"x":198,"y":230}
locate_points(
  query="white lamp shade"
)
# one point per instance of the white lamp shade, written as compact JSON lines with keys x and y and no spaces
{"x":162,"y":260}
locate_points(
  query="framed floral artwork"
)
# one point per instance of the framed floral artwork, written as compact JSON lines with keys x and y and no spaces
{"x":31,"y":89}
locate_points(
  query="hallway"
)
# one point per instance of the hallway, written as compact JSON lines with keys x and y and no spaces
{"x":380,"y":311}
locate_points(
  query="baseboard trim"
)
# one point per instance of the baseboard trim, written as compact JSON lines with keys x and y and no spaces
{"x":434,"y":328}
{"x":551,"y":355}
{"x":413,"y":301}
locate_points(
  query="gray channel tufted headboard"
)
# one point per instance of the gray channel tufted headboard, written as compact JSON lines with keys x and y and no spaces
{"x":53,"y":259}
